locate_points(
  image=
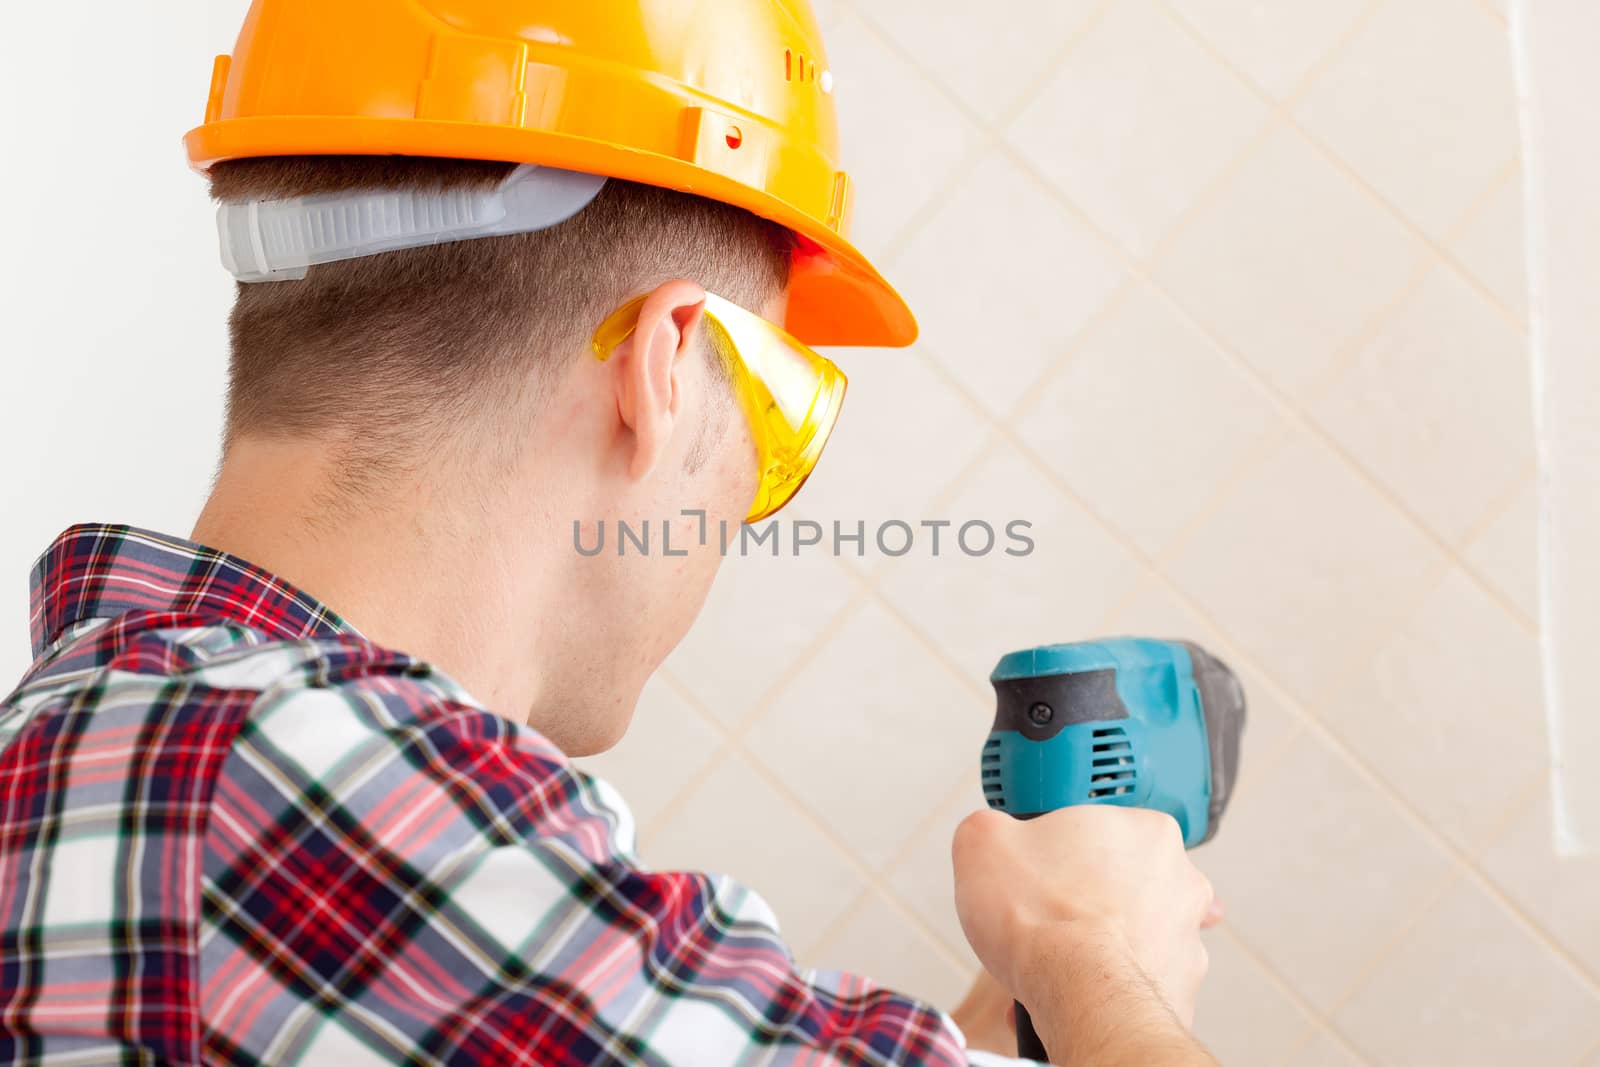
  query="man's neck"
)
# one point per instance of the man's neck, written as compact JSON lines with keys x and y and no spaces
{"x":398,"y":564}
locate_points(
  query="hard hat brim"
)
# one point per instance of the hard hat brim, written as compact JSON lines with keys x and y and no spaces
{"x":836,"y":296}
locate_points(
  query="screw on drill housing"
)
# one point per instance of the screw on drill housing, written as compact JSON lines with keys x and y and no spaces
{"x":1041,"y":714}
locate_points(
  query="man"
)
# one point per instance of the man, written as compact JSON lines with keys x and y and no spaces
{"x":297,"y":790}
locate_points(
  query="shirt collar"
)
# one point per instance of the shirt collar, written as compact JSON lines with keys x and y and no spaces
{"x":101,"y":571}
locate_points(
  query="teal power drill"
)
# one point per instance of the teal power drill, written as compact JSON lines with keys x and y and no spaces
{"x":1128,"y":721}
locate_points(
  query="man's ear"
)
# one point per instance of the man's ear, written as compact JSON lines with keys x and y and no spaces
{"x":647,"y":380}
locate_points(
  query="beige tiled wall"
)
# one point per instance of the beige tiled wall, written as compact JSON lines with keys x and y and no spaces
{"x":1226,"y":297}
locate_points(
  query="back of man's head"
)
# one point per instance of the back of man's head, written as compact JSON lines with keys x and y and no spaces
{"x":386,"y":356}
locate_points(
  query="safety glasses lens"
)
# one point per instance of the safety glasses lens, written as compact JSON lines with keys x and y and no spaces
{"x":791,"y":395}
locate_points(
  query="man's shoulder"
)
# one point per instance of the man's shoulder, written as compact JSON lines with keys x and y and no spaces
{"x":332,"y":734}
{"x":124,"y":663}
{"x":379,"y":775}
{"x":353,"y":712}
{"x":311,"y":714}
{"x":119,"y":665}
{"x":395,"y":757}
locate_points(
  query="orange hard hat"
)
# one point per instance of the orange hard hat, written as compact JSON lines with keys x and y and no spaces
{"x":731,"y":100}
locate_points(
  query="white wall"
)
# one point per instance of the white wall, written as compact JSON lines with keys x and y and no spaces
{"x":112,"y":333}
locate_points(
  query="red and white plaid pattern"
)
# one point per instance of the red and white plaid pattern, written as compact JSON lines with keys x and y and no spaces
{"x":232,"y":830}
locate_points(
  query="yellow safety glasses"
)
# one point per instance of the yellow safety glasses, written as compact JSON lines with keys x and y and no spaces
{"x":790,"y":395}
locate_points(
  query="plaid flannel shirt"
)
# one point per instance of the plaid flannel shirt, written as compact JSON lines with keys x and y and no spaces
{"x":234,"y":831}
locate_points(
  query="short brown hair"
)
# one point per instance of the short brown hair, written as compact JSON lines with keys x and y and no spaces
{"x":395,"y":347}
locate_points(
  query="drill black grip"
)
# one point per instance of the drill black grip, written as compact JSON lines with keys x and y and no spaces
{"x":1040,"y":707}
{"x":1029,"y":1046}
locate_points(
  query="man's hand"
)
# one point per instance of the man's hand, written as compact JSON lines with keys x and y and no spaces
{"x":1092,"y":916}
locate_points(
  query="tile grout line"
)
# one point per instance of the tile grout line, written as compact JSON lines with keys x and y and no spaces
{"x":1279,"y":112}
{"x":1295,"y":415}
{"x":1319,"y":1022}
{"x":1501,"y":507}
{"x":732,"y":736}
{"x":1464,"y":866}
{"x":1299,"y":419}
{"x":1026,"y":94}
{"x":1475,"y":212}
{"x":1449,"y":259}
{"x":1151,"y":565}
{"x":902,"y":238}
{"x":1030,"y":93}
{"x":871,"y":582}
{"x":874,"y":578}
{"x":1139,"y":271}
{"x":1254,"y":460}
{"x":857,"y":905}
{"x":1144,"y":272}
{"x":1286,"y":110}
{"x":1523,"y":803}
{"x":1497,"y":513}
{"x":939,"y":501}
{"x":1459,"y":873}
{"x":900,"y":856}
{"x":1269,"y":759}
{"x":733,"y":745}
{"x":1467,"y":866}
{"x":1532,"y":795}
{"x":1311,"y":720}
{"x":1071,"y":347}
{"x":1509,"y":173}
{"x":1465,"y":860}
{"x":988,"y":133}
{"x":1317,"y":1030}
{"x":674,"y":805}
{"x":1310,"y":76}
{"x":780,"y":684}
{"x":1455,"y":876}
{"x":1323,"y":733}
{"x":1439,"y":249}
{"x":1536,"y":932}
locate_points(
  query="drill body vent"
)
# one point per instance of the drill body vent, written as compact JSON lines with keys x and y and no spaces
{"x":994,"y":791}
{"x":1113,"y":771}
